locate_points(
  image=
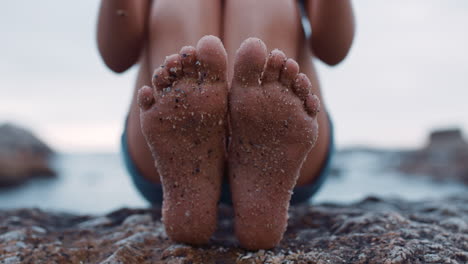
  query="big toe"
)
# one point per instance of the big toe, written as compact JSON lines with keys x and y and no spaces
{"x":249,"y":62}
{"x":212,"y":58}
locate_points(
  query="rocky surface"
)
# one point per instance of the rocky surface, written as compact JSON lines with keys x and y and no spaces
{"x":371,"y":231}
{"x":22,"y":156}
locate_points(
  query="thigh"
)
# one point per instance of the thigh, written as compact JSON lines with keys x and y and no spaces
{"x":172,"y":25}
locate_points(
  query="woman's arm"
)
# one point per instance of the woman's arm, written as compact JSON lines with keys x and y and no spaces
{"x":333,"y":26}
{"x":121,"y":32}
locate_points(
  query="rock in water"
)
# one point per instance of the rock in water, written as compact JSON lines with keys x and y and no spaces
{"x":22,"y":155}
{"x":444,"y":157}
{"x":371,"y":231}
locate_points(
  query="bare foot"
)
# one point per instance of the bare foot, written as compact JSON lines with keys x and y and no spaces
{"x":184,"y":122}
{"x":274,"y":126}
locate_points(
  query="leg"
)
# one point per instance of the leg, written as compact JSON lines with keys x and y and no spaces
{"x":274,"y":126}
{"x":279,"y":26}
{"x":183,"y":119}
{"x":171,"y":26}
{"x":261,"y":215}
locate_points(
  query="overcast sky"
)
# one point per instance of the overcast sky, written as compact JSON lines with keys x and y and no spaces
{"x":406,"y":74}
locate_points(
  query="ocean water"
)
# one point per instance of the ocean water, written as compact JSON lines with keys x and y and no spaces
{"x":98,"y":183}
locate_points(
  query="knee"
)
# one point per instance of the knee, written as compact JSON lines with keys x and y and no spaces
{"x":268,"y":14}
{"x":282,"y":16}
{"x":276,"y":22}
{"x":167,"y":19}
{"x":283,"y":27}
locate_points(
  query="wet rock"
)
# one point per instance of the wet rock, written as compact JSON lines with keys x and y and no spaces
{"x":371,"y":231}
{"x":22,"y":156}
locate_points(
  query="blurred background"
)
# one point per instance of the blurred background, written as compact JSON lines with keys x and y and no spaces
{"x":405,"y":76}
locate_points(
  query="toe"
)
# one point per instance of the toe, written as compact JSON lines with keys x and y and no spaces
{"x":312,"y":105}
{"x":273,"y":67}
{"x":161,"y":78}
{"x":145,"y":97}
{"x":303,"y":89}
{"x":212,"y":58}
{"x":302,"y":86}
{"x":289,"y":72}
{"x":249,"y":62}
{"x":174,"y":65}
{"x":188,"y":57}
